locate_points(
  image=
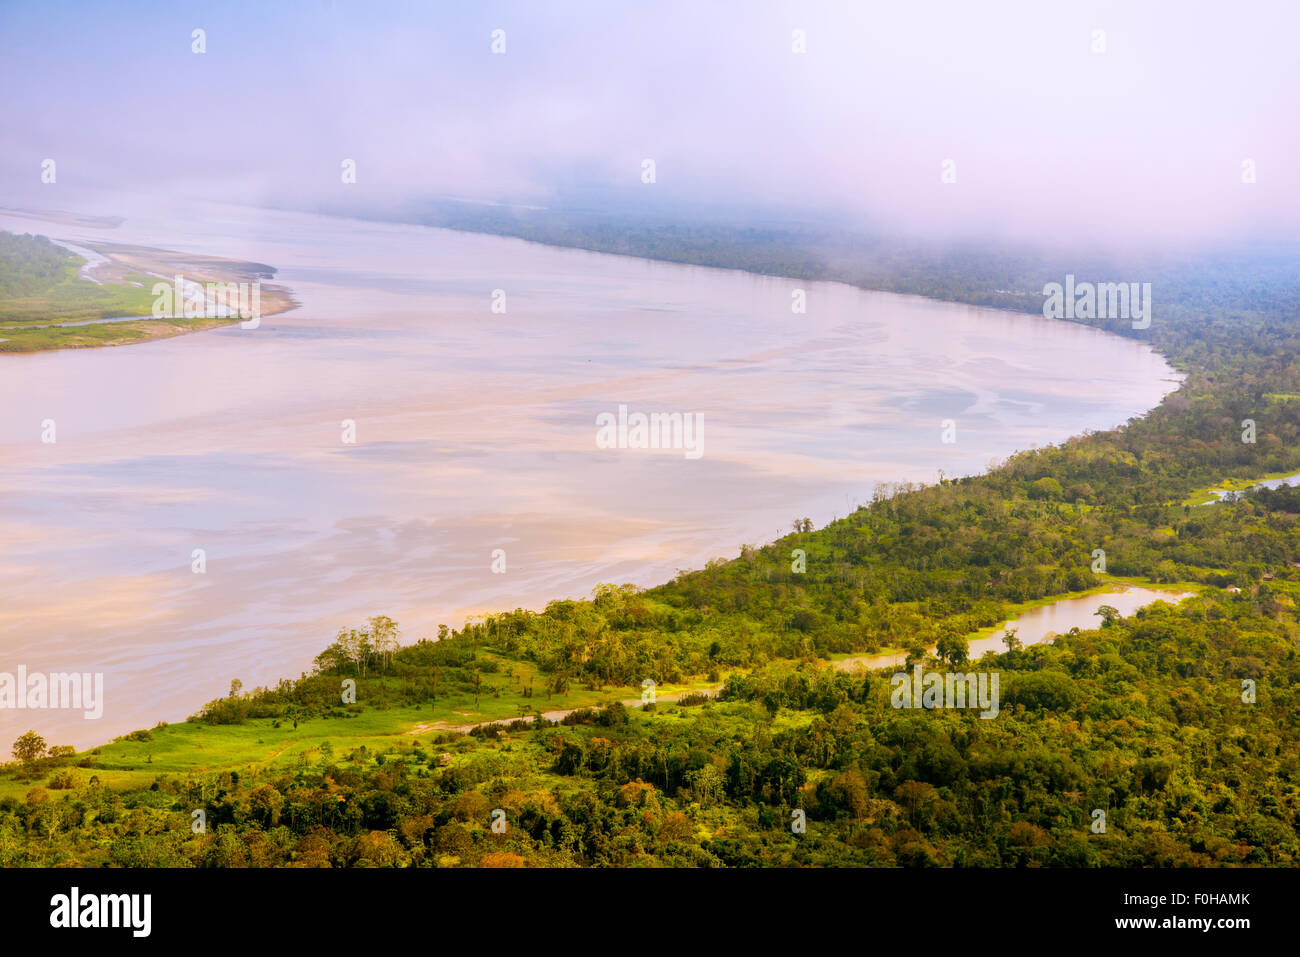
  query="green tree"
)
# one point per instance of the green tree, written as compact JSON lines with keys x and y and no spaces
{"x":953,"y":648}
{"x":29,"y":747}
{"x":1046,"y":488}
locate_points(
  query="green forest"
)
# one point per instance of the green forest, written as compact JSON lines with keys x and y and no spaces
{"x":1176,"y":729}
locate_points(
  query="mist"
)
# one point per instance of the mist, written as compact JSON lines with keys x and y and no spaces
{"x":1115,"y":123}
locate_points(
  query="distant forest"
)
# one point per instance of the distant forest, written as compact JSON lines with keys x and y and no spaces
{"x":1228,"y":290}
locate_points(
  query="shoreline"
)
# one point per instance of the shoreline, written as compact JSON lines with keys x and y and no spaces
{"x":645,"y":256}
{"x":978,"y":472}
{"x":696,"y":264}
{"x":127,"y":269}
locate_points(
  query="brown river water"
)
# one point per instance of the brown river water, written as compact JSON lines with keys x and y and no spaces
{"x":475,"y":432}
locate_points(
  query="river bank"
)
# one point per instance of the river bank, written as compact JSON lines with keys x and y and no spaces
{"x":475,"y":431}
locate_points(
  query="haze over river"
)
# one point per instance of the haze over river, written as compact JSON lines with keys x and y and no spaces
{"x":475,"y":431}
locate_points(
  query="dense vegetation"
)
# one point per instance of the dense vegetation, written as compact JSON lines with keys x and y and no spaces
{"x":30,"y":265}
{"x":1180,"y":723}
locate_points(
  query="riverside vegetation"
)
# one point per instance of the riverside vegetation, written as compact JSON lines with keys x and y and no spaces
{"x":1180,"y":722}
{"x":46,"y":304}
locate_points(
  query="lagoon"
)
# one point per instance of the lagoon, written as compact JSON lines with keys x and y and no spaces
{"x":1043,"y":622}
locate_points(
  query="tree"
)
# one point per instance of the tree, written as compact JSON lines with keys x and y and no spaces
{"x":707,"y":783}
{"x":848,"y":791}
{"x":953,"y":648}
{"x":359,"y":647}
{"x":1109,"y":615}
{"x":383,"y":638}
{"x":332,"y":659}
{"x":1011,"y":641}
{"x":1046,"y":488}
{"x":29,"y":747}
{"x":265,"y":803}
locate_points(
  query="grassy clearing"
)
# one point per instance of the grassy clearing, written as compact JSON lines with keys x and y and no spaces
{"x":193,"y":747}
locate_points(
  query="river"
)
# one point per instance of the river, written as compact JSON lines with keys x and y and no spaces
{"x":475,"y":432}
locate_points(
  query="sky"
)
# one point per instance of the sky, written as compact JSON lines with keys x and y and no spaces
{"x":1142,"y":133}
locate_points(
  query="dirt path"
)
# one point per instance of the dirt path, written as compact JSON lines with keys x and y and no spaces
{"x":442,"y":726}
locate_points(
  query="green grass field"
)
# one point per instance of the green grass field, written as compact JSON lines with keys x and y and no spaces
{"x":260,"y":744}
{"x":72,"y":299}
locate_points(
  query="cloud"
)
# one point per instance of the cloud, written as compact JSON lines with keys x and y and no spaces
{"x":1048,"y":137}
